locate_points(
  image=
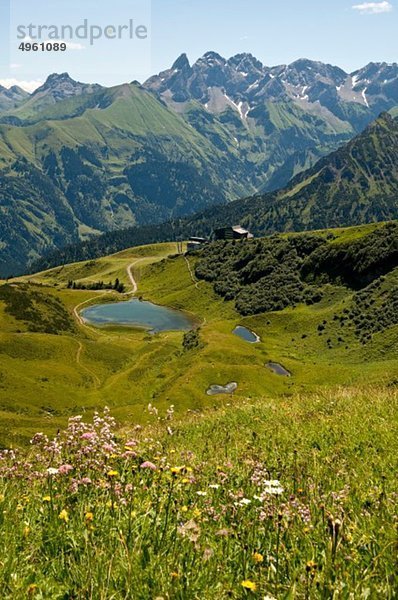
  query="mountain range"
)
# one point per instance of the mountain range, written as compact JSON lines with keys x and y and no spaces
{"x":356,"y":184}
{"x":79,"y":159}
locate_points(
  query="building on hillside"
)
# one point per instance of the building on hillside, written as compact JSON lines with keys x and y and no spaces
{"x":232,"y":233}
{"x":196,"y":243}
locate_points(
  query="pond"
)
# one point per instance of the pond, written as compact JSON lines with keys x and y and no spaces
{"x":278,"y":369}
{"x":246,"y":334}
{"x":215,"y":390}
{"x":136,"y":313}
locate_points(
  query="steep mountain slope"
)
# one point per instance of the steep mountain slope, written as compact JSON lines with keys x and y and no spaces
{"x":12,"y":97}
{"x":282,"y":118}
{"x":42,"y":104}
{"x":193,"y":137}
{"x":99,"y":161}
{"x":357,"y":184}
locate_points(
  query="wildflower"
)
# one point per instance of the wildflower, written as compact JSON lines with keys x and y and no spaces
{"x":245,"y":502}
{"x":131,"y":444}
{"x":51,"y":471}
{"x":258,"y":558}
{"x":2,"y":498}
{"x":223,"y":533}
{"x":214,"y":486}
{"x":184,"y":509}
{"x":89,"y":517}
{"x":249,"y":585}
{"x":65,"y":469}
{"x":63,"y":515}
{"x":273,"y":488}
{"x":31,"y":589}
{"x":47,"y":499}
{"x":112,"y":474}
{"x":174,"y":575}
{"x":311,"y":566}
{"x":177,"y":470}
{"x":85,"y":481}
{"x":202,"y":494}
{"x":148,"y":465}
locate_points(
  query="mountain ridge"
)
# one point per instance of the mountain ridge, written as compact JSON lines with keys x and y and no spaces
{"x":355,"y":185}
{"x":131,"y":156}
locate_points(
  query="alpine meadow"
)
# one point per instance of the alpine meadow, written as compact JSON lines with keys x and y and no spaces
{"x":199,"y":323}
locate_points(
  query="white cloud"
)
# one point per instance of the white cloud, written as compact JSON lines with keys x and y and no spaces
{"x":373,"y":8}
{"x":74,"y":46}
{"x":28,"y":86}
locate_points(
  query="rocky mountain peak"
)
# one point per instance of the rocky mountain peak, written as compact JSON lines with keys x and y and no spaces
{"x":181,"y":64}
{"x":59,"y":86}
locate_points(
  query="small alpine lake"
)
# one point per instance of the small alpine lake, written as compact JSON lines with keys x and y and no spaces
{"x":246,"y":334}
{"x":278,"y":369}
{"x":137,"y":313}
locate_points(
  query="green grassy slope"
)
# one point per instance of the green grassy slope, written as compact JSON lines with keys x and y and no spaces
{"x":355,"y":185}
{"x":123,"y":159}
{"x":44,"y":378}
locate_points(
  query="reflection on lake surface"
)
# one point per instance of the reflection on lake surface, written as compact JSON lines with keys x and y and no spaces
{"x":138,"y":314}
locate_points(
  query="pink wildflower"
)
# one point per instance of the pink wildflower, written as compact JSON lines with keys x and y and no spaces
{"x":149,"y":465}
{"x":65,"y":469}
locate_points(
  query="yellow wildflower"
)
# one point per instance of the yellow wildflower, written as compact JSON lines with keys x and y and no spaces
{"x":174,"y":575}
{"x":249,"y":585}
{"x":197,"y":513}
{"x":89,"y":517}
{"x":2,"y":498}
{"x":31,"y":589}
{"x":46,"y":498}
{"x":176,"y":470}
{"x":63,"y":515}
{"x":258,"y":558}
{"x":113,"y":474}
{"x":26,"y":531}
{"x":184,"y":509}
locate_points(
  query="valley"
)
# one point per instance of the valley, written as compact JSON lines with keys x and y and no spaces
{"x":55,"y":365}
{"x":80,"y":159}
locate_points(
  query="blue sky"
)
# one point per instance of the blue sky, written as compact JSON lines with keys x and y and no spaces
{"x":349,"y":33}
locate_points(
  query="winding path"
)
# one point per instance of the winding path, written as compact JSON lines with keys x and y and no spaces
{"x":89,"y":371}
{"x":194,"y":280}
{"x":131,"y":277}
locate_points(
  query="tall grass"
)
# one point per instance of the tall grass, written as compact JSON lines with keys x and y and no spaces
{"x":292,"y":498}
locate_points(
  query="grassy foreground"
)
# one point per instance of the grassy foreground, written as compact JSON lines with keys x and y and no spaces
{"x":287,"y":498}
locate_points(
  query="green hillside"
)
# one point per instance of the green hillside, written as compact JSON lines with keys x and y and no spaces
{"x":357,"y":184}
{"x":114,"y":158}
{"x":59,"y":367}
